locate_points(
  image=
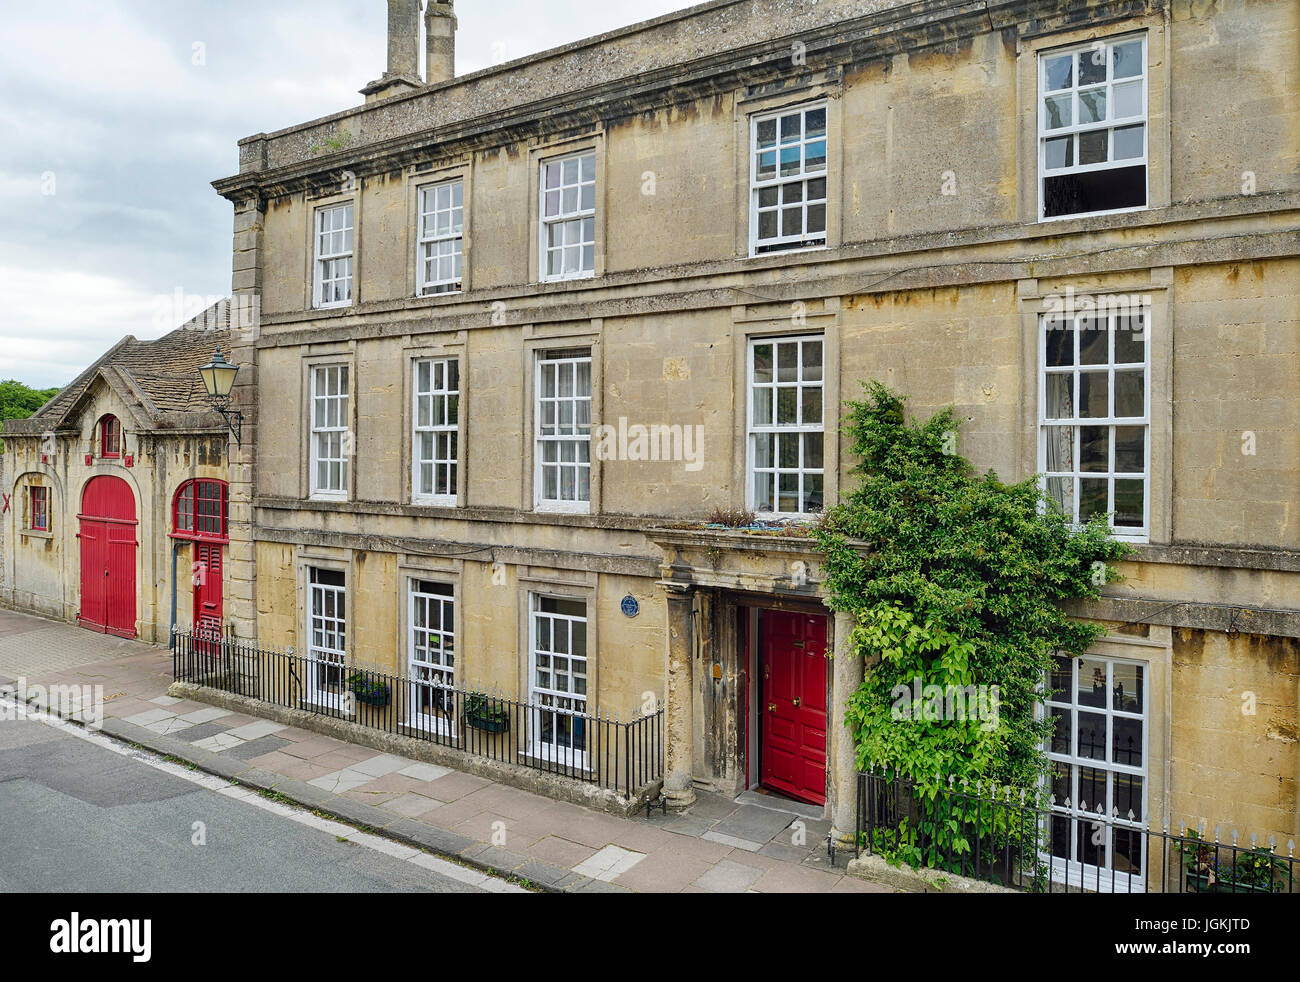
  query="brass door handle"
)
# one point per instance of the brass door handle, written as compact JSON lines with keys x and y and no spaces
{"x":771,"y":707}
{"x":797,"y":702}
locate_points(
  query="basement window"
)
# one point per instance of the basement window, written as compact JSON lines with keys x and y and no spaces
{"x":1092,"y":129}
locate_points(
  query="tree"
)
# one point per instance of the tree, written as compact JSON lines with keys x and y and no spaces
{"x":18,"y":401}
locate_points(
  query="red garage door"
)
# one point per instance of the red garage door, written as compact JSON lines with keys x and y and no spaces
{"x":108,"y":545}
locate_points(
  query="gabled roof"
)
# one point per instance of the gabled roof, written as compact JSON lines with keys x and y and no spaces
{"x":158,"y":379}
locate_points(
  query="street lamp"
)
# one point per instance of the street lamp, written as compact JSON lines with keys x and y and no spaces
{"x":218,"y":379}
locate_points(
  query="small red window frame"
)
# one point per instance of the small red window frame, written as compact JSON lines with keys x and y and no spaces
{"x":201,"y":502}
{"x":110,"y":426}
{"x":39,"y":516}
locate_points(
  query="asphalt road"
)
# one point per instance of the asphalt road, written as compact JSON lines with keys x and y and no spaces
{"x":78,"y":817}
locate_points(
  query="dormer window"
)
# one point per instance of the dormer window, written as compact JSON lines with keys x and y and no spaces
{"x":110,"y":437}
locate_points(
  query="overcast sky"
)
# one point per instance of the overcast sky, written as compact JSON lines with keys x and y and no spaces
{"x":115,"y":116}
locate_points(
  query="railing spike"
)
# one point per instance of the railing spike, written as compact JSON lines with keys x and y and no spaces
{"x":1290,"y":846}
{"x":1234,"y":838}
{"x":1216,"y":834}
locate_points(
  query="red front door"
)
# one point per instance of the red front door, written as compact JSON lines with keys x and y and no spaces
{"x":207,"y":588}
{"x":792,"y":688}
{"x":108,"y":543}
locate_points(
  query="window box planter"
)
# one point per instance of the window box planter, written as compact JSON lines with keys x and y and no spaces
{"x":368,"y":692}
{"x":486,"y":715}
{"x":1200,"y":883}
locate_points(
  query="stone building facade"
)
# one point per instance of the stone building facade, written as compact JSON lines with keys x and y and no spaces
{"x":115,"y":492}
{"x":524,"y":331}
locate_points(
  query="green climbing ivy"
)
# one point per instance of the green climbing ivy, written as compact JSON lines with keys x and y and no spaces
{"x":954,"y":580}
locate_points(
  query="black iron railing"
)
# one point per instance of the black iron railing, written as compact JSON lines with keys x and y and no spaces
{"x":550,"y":734}
{"x":1025,"y":842}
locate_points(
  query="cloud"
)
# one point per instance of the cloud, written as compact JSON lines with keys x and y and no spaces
{"x":135,"y":106}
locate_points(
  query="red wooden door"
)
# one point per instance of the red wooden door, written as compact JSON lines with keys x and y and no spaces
{"x":108,"y":544}
{"x":207,"y":588}
{"x":94,"y":569}
{"x":793,"y":704}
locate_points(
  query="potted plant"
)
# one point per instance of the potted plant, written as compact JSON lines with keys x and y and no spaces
{"x":486,"y":714}
{"x":369,"y":691}
{"x":1253,"y":872}
{"x":1202,"y":862}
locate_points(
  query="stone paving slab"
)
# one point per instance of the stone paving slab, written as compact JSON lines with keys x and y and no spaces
{"x":718,"y":845}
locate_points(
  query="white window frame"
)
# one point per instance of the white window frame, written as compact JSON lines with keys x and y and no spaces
{"x":324,"y":657}
{"x":582,"y":216}
{"x":788,"y":243}
{"x":1110,"y":125}
{"x":580,"y":443}
{"x":437,"y":247}
{"x":442,"y":674}
{"x":538,"y":695}
{"x":754,"y":430}
{"x":1076,"y":422}
{"x":334,"y":251}
{"x":1077,"y":873}
{"x":341,"y":400}
{"x":444,"y":435}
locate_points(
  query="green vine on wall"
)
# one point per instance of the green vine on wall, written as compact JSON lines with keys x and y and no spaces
{"x":954,"y":579}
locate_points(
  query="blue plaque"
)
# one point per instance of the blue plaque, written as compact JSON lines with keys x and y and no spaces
{"x":629,"y":606}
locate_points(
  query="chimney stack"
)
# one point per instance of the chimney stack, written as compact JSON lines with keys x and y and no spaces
{"x":404,"y":38}
{"x":403,"y":72}
{"x":440,"y":42}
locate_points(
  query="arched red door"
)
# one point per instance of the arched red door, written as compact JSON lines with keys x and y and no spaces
{"x":108,"y":544}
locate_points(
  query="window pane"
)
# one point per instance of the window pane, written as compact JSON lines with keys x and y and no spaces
{"x":762,"y":407}
{"x":787,"y":362}
{"x":1058,"y":111}
{"x":1060,"y":152}
{"x":1094,"y":341}
{"x":786,"y":409}
{"x":1129,"y":397}
{"x":1093,"y":395}
{"x":1092,"y":744}
{"x":812,"y":361}
{"x":1092,"y":683}
{"x":1059,"y":396}
{"x":812,"y":405}
{"x":1130,"y":442}
{"x":1059,"y":72}
{"x":1126,"y":683}
{"x":1127,"y":59}
{"x":1094,"y":448}
{"x":1092,"y":498}
{"x":1092,"y":147}
{"x":1092,"y":66}
{"x":1130,"y":496}
{"x":1092,"y":106}
{"x":812,"y":451}
{"x":1060,"y":344}
{"x":1130,"y":340}
{"x":762,"y":363}
{"x":1061,"y":490}
{"x":1126,"y":741}
{"x":1128,"y":142}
